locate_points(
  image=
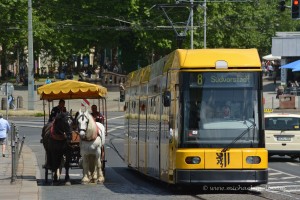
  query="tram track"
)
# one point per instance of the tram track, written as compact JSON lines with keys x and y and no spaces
{"x":114,"y":137}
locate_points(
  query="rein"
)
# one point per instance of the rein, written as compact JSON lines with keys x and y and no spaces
{"x":55,"y":136}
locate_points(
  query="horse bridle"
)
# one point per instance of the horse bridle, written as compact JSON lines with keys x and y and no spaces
{"x":87,"y":122}
{"x":58,"y":133}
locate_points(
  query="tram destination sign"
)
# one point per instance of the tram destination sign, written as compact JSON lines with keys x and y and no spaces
{"x":231,"y":79}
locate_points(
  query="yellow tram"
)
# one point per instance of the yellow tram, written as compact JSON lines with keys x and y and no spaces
{"x":196,"y":117}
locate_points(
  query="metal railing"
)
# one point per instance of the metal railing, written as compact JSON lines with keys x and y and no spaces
{"x":16,"y":150}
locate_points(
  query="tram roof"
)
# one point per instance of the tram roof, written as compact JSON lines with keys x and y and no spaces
{"x":70,"y":89}
{"x":197,"y":59}
{"x":141,"y":75}
{"x":204,"y":58}
{"x":146,"y":74}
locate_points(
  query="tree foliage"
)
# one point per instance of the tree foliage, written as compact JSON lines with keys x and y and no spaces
{"x":138,"y":28}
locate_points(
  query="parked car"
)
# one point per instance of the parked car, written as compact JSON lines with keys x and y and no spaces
{"x":282,"y":134}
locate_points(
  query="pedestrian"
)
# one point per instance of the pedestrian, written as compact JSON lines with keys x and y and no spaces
{"x":280,"y":91}
{"x":270,"y":69}
{"x":89,"y":73}
{"x":122,"y":92}
{"x":48,"y":80}
{"x":4,"y":128}
{"x":17,"y":79}
{"x":11,"y":100}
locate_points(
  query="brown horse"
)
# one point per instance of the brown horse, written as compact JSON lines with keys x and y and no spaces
{"x":56,"y":137}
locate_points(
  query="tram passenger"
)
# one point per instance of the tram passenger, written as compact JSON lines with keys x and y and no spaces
{"x":96,"y":114}
{"x":57,"y":109}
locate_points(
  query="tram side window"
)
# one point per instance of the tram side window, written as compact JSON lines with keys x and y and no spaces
{"x":152,"y":106}
{"x":133,"y":105}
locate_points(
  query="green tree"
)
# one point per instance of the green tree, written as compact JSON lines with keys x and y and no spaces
{"x":62,"y":28}
{"x":12,"y":32}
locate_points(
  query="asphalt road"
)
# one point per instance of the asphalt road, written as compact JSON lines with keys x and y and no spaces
{"x":123,"y":183}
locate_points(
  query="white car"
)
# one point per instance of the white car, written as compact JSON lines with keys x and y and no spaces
{"x":282,"y":134}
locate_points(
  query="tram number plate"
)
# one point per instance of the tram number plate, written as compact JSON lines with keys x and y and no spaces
{"x":283,"y":138}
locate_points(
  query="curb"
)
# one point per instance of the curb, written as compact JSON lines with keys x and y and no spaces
{"x":27,"y":170}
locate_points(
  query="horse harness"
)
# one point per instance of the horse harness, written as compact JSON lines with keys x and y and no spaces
{"x":55,"y":136}
{"x":96,"y":133}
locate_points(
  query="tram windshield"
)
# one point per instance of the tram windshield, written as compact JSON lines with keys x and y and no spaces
{"x":219,"y":108}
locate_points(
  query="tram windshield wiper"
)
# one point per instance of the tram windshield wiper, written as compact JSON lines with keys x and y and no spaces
{"x":241,"y":135}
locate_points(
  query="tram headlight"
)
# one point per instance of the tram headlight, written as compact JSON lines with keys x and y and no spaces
{"x":193,"y":160}
{"x":253,"y":159}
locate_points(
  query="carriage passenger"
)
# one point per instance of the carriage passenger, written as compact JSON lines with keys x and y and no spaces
{"x":57,"y":109}
{"x":96,"y":114}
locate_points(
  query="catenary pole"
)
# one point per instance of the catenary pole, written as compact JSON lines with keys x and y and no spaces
{"x":30,"y":60}
{"x":192,"y":24}
{"x":204,"y":25}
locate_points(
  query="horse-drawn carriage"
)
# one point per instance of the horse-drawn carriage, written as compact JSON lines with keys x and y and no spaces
{"x":69,"y":139}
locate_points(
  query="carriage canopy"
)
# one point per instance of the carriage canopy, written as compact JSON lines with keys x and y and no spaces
{"x":70,"y":89}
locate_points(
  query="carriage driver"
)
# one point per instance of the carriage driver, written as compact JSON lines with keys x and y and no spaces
{"x":57,"y":109}
{"x":96,"y":114}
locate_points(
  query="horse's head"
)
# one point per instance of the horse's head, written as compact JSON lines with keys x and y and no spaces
{"x":84,"y":122}
{"x":63,"y":124}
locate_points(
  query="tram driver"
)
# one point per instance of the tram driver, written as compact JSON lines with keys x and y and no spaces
{"x":226,"y":112}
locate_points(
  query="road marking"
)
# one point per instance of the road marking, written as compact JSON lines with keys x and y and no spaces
{"x":115,"y":118}
{"x":280,"y":190}
{"x":28,"y":122}
{"x":30,"y":126}
{"x":292,"y":190}
{"x":273,"y":178}
{"x":280,"y":182}
{"x":275,"y":173}
{"x":287,"y":186}
{"x":113,"y":129}
{"x":294,"y":164}
{"x":288,"y":177}
{"x":63,"y":174}
{"x":284,"y":173}
{"x":34,"y":145}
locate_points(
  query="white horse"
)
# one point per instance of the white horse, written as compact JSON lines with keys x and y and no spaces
{"x":92,"y":135}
